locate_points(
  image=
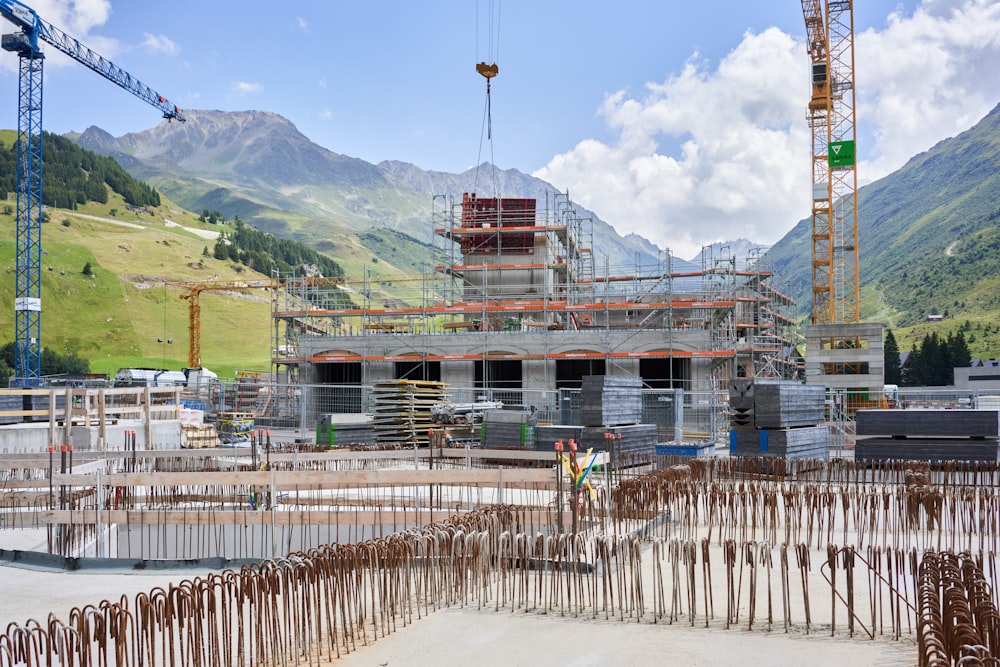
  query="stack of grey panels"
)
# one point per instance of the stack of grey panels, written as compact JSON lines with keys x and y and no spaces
{"x":635,"y":438}
{"x":807,"y":442}
{"x":777,"y":419}
{"x":508,"y":429}
{"x":344,"y":430}
{"x":784,"y":404}
{"x":11,"y":403}
{"x":928,"y":435}
{"x":610,"y":400}
{"x":42,"y":402}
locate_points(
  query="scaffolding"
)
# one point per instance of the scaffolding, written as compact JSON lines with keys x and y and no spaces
{"x":515,"y":280}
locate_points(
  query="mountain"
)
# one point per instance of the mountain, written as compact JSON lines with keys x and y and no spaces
{"x":929,"y":238}
{"x":258,"y":166}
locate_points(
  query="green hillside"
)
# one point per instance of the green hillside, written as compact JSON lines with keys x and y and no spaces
{"x":929,"y":244}
{"x":122,"y":314}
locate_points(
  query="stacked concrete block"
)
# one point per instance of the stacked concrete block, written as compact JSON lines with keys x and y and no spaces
{"x":608,"y":400}
{"x":777,"y":419}
{"x":928,"y":435}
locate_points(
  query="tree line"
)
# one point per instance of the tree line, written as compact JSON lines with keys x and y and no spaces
{"x":264,"y":253}
{"x":51,"y":362}
{"x":73,"y":176}
{"x":931,"y":363}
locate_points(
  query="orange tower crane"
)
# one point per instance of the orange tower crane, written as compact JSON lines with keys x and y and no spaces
{"x":193,"y":292}
{"x":830,"y":35}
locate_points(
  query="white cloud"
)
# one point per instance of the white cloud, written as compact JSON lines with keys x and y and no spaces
{"x":326,"y":114}
{"x":76,"y":18}
{"x":246,"y":87}
{"x":301,"y":24}
{"x":735,"y":135}
{"x":926,"y":78}
{"x":160,"y":44}
{"x":720,"y":154}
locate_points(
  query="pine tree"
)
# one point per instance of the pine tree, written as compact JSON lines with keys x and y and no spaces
{"x":893,"y":371}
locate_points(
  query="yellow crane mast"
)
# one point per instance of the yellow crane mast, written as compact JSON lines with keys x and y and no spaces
{"x":830,"y":35}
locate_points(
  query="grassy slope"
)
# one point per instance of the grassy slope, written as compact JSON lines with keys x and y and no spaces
{"x":107,"y":319}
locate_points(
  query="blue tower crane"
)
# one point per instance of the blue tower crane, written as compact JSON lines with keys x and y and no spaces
{"x":28,"y":265}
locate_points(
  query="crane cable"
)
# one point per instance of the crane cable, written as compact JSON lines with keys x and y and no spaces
{"x":488,"y":71}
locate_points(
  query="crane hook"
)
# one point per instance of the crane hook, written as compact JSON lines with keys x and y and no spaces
{"x":488,"y":71}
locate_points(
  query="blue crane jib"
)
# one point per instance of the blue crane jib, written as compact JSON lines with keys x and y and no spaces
{"x":25,"y":43}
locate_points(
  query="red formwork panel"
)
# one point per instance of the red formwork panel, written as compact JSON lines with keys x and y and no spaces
{"x":497,"y":213}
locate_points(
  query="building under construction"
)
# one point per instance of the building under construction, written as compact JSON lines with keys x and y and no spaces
{"x":518,"y":303}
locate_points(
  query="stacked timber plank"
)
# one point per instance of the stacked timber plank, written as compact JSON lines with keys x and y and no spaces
{"x":610,"y":400}
{"x":508,"y":429}
{"x":402,"y":410}
{"x":777,"y":419}
{"x":199,"y":436}
{"x":928,"y":435}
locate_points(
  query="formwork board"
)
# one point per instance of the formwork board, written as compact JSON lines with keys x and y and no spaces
{"x":782,"y":404}
{"x":929,"y":423}
{"x":927,"y":449}
{"x":610,"y":400}
{"x":634,"y":439}
{"x":788,"y":443}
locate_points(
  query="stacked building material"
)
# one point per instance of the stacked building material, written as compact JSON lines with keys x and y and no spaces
{"x":785,"y":404}
{"x":343,"y":430}
{"x":38,"y":402}
{"x":506,"y":429}
{"x":199,"y":436}
{"x":402,"y":410}
{"x":777,"y":419}
{"x":635,"y":438}
{"x":700,"y":449}
{"x":11,"y":403}
{"x":608,"y":400}
{"x":235,"y":429}
{"x":928,"y":435}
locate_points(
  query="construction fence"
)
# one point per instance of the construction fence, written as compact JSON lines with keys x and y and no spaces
{"x":678,"y":414}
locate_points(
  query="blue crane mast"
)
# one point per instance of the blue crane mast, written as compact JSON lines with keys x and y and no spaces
{"x":28,"y":266}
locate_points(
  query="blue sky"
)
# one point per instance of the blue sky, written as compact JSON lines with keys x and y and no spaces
{"x":683,"y":122}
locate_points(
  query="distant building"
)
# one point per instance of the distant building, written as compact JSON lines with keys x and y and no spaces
{"x":982,"y":374}
{"x":935,"y":318}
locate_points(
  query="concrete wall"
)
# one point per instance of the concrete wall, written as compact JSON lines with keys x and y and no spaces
{"x":31,"y":438}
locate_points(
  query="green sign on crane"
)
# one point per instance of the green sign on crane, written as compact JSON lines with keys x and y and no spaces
{"x":841,"y":153}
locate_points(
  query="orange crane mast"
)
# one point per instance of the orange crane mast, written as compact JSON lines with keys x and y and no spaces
{"x":193,"y":292}
{"x":830,"y":42}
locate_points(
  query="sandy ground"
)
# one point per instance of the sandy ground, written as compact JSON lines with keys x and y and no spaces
{"x":467,"y":636}
{"x":453,"y":637}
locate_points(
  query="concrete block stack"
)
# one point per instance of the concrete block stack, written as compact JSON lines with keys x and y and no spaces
{"x":777,"y":419}
{"x":928,"y":435}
